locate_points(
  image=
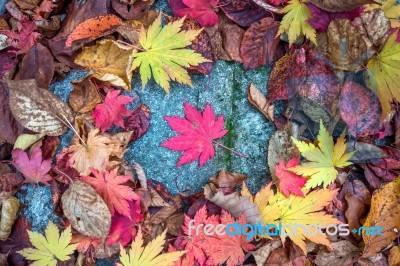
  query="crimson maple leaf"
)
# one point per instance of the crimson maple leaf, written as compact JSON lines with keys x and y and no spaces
{"x":198,"y":130}
{"x":289,"y":182}
{"x":34,"y":169}
{"x":215,"y":249}
{"x":123,"y":230}
{"x":112,"y":110}
{"x":110,"y":188}
{"x":25,"y":38}
{"x":201,"y":10}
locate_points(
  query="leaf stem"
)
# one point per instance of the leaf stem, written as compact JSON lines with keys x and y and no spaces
{"x":229,"y":149}
{"x":266,"y":6}
{"x":73,"y":129}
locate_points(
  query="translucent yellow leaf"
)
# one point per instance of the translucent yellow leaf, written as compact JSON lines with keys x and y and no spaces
{"x":384,"y":73}
{"x":150,"y":254}
{"x":322,"y":159}
{"x":51,"y":247}
{"x":24,"y":141}
{"x":295,"y":22}
{"x":164,"y":56}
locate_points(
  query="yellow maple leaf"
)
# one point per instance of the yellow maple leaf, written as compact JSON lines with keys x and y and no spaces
{"x":295,"y":22}
{"x":150,"y":254}
{"x":384,"y":73}
{"x":49,"y":248}
{"x":299,"y":216}
{"x":391,"y":10}
{"x":109,"y":61}
{"x":165,"y":56}
{"x":323,"y":159}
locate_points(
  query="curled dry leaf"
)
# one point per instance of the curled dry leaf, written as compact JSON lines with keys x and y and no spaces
{"x":38,"y":109}
{"x":236,"y":205}
{"x":9,"y":210}
{"x":384,"y":212}
{"x":339,"y":5}
{"x":344,"y":253}
{"x":261,"y":255}
{"x":258,"y":99}
{"x":86,"y":210}
{"x":110,"y":61}
{"x":259,"y":44}
{"x":348,"y":47}
{"x":138,"y":121}
{"x":84,"y":97}
{"x":37,"y":64}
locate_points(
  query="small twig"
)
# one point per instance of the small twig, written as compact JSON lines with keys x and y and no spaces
{"x":61,"y":172}
{"x":73,"y":129}
{"x":266,"y":6}
{"x":229,"y":149}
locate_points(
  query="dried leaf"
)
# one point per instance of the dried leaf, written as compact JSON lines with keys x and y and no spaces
{"x":227,"y":181}
{"x":135,"y":11}
{"x":344,"y":253}
{"x":261,"y":255}
{"x":9,"y":210}
{"x":339,"y":5}
{"x":84,"y":97}
{"x":394,"y":256}
{"x":24,"y":141}
{"x":86,"y":210}
{"x":38,"y":109}
{"x":375,"y":25}
{"x":244,"y":12}
{"x":232,"y":36}
{"x":258,"y":99}
{"x":37,"y":64}
{"x":138,"y":121}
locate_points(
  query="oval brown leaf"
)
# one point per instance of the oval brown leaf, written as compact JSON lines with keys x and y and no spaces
{"x":258,"y":47}
{"x":38,"y":109}
{"x":243,"y":12}
{"x":86,"y":210}
{"x":339,"y":5}
{"x":37,"y":64}
{"x":84,"y":97}
{"x":360,"y":109}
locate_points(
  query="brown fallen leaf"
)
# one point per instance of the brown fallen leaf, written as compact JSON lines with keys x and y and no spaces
{"x":227,"y":182}
{"x":37,"y":64}
{"x":394,"y":256}
{"x":109,"y":61}
{"x":384,"y":212}
{"x":339,"y":5}
{"x":86,"y":210}
{"x":9,"y":210}
{"x":288,"y":255}
{"x":84,"y":97}
{"x":344,"y":253}
{"x":3,"y":260}
{"x":138,"y":121}
{"x":38,"y":109}
{"x":260,"y":101}
{"x":375,"y":25}
{"x":261,"y":255}
{"x":132,"y":10}
{"x":232,"y":36}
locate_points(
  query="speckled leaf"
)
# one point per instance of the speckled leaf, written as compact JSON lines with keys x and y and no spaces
{"x":259,"y":43}
{"x":37,"y":64}
{"x":244,"y":12}
{"x":136,"y":10}
{"x":38,"y":109}
{"x":360,"y":109}
{"x":86,"y":210}
{"x":84,"y":97}
{"x":339,"y":5}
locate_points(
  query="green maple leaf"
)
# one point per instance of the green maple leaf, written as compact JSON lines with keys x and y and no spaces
{"x":164,"y":55}
{"x":50,"y":247}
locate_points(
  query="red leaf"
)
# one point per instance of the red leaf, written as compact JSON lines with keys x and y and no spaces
{"x":277,"y":2}
{"x":111,"y":111}
{"x":243,"y":12}
{"x":197,"y":132}
{"x":200,"y":10}
{"x":25,"y":38}
{"x":123,"y":229}
{"x":34,"y":169}
{"x":138,"y":121}
{"x":110,"y":188}
{"x":45,"y":8}
{"x":289,"y":182}
{"x":63,"y":167}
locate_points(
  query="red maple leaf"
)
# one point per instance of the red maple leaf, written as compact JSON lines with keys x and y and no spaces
{"x":289,"y":182}
{"x":25,"y":38}
{"x":201,"y":10}
{"x":123,"y":230}
{"x":110,"y":188}
{"x":215,"y":249}
{"x":34,"y":169}
{"x":198,"y":130}
{"x":111,"y":111}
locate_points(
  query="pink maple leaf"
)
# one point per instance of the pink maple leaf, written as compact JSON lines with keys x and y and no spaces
{"x":123,"y":229}
{"x":289,"y":182}
{"x":112,"y":110}
{"x":34,"y":169}
{"x":201,"y":10}
{"x":197,"y":132}
{"x":25,"y":38}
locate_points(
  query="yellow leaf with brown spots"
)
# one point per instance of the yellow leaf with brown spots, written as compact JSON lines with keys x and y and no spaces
{"x":384,"y":212}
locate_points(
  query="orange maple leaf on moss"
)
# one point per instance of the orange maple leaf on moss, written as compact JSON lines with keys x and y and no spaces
{"x":110,"y":187}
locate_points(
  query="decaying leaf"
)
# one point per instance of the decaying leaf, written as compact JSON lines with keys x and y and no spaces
{"x":86,"y":210}
{"x":344,"y":253}
{"x":38,"y":109}
{"x":260,"y":101}
{"x":9,"y":210}
{"x":375,"y":25}
{"x":138,"y":121}
{"x":384,"y":212}
{"x":227,"y":181}
{"x":394,"y":256}
{"x":261,"y":255}
{"x":110,"y":61}
{"x":84,"y":97}
{"x":339,"y":5}
{"x":243,"y":12}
